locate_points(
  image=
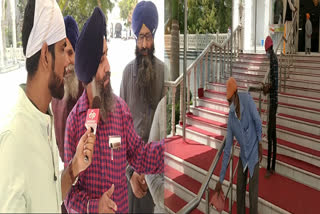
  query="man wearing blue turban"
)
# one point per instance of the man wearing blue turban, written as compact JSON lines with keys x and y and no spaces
{"x":103,"y":187}
{"x":142,"y":89}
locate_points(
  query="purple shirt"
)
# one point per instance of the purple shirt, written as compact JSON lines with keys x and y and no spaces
{"x":103,"y":172}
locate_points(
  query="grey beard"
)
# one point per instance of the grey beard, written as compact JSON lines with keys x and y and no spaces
{"x":146,"y":78}
{"x":146,"y":74}
{"x":71,"y":85}
{"x":106,"y":96}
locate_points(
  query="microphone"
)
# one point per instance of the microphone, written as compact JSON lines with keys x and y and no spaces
{"x":92,"y":118}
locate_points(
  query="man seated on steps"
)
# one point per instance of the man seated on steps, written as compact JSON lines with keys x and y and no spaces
{"x":243,"y":123}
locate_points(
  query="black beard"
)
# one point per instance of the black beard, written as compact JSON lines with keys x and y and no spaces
{"x":107,"y":97}
{"x":146,"y":74}
{"x":55,"y":85}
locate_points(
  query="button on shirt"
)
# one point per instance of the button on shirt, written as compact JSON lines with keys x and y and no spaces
{"x":247,"y":131}
{"x":103,"y":172}
{"x":29,"y":159}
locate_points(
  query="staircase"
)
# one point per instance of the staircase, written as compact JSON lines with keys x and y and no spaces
{"x":295,"y":188}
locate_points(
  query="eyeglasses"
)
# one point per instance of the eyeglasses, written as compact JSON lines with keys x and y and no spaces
{"x":148,"y":37}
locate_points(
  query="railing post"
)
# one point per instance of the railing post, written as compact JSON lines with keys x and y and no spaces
{"x":181,"y":103}
{"x":239,"y":41}
{"x":201,"y":75}
{"x":231,"y":180}
{"x":195,"y":86}
{"x":260,"y":103}
{"x":227,"y":57}
{"x":221,"y":65}
{"x":207,"y":200}
{"x":188,"y":93}
{"x":211,"y":65}
{"x":216,"y":71}
{"x":233,"y":43}
{"x":224,"y":61}
{"x":165,"y":112}
{"x":206,"y":72}
{"x":173,"y":113}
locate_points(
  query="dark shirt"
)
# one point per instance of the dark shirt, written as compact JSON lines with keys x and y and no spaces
{"x":273,"y":79}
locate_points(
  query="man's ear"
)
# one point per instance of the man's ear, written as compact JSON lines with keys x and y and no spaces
{"x":44,"y":57}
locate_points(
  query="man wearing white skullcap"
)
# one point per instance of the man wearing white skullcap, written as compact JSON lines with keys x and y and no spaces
{"x":29,"y":156}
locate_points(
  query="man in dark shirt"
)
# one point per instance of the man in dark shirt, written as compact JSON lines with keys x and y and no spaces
{"x":272,"y":89}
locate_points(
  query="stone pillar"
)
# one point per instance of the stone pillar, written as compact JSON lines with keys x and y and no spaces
{"x":14,"y":37}
{"x":1,"y":42}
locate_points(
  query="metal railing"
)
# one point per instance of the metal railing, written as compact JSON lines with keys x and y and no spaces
{"x":286,"y":56}
{"x":285,"y":62}
{"x":223,"y":55}
{"x":204,"y":187}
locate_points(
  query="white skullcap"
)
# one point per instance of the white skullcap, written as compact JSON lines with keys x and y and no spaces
{"x":48,"y":26}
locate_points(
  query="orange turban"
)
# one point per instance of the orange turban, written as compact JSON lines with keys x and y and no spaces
{"x":231,"y":87}
{"x":308,"y":16}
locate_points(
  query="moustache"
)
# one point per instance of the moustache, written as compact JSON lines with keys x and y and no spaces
{"x":69,"y":68}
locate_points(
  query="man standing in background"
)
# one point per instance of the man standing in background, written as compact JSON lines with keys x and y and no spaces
{"x":142,"y":89}
{"x":272,"y":89}
{"x":308,"y":33}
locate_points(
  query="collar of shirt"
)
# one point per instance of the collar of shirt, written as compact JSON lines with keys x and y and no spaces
{"x":241,"y":109}
{"x":83,"y":102}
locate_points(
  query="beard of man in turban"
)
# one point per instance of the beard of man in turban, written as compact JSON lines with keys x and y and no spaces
{"x":101,"y":85}
{"x":106,"y":95}
{"x":71,"y":83}
{"x":146,"y":72}
{"x":55,"y":85}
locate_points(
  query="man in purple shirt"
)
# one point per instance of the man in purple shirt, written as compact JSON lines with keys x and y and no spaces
{"x":102,"y":188}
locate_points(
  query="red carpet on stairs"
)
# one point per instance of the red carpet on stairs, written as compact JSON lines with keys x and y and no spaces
{"x":192,"y":185}
{"x":175,"y":203}
{"x":298,"y":147}
{"x":278,"y":190}
{"x":296,"y":163}
{"x":307,"y":134}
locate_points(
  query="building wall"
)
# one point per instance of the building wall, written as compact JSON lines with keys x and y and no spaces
{"x":264,"y":10}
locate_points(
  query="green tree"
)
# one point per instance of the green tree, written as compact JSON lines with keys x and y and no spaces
{"x":206,"y":16}
{"x":201,"y":16}
{"x":224,"y":15}
{"x":81,"y":10}
{"x":126,"y":10}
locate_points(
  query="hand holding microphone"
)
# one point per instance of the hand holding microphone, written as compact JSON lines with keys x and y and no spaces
{"x":84,"y":151}
{"x":92,"y":118}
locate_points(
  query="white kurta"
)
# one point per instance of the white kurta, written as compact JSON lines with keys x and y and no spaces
{"x":308,"y":33}
{"x":28,"y":159}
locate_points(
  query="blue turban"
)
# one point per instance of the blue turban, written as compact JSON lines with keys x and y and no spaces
{"x":145,"y":13}
{"x":72,"y":30}
{"x":90,"y":46}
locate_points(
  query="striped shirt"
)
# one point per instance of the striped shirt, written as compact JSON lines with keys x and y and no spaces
{"x":103,"y":172}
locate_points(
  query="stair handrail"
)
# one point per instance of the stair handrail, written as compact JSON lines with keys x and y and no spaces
{"x":195,"y":201}
{"x":204,"y":187}
{"x":286,"y":58}
{"x":227,"y":52}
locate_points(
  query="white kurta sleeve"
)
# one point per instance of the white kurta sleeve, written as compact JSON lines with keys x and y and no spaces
{"x":12,"y":197}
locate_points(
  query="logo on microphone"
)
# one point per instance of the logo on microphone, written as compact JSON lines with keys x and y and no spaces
{"x":92,"y":115}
